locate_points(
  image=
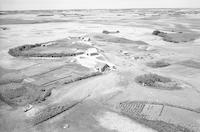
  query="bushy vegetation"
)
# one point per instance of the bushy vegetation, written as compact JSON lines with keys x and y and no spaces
{"x":18,"y":51}
{"x":176,"y":37}
{"x":151,"y":79}
{"x":159,"y":33}
{"x":109,"y":32}
{"x":156,"y":81}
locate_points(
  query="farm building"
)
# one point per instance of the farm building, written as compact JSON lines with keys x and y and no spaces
{"x":91,"y":52}
{"x":102,"y":67}
{"x":84,"y":38}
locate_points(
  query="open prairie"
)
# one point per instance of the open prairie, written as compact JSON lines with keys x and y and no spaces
{"x":124,"y":70}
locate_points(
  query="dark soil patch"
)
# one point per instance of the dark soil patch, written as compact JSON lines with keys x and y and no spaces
{"x":139,"y":42}
{"x":176,"y":37}
{"x":16,"y":94}
{"x":160,"y":126}
{"x":12,"y":77}
{"x":157,"y":81}
{"x":3,"y":71}
{"x":93,"y":74}
{"x":112,"y":39}
{"x":158,"y":64}
{"x":43,"y":15}
{"x":190,"y":63}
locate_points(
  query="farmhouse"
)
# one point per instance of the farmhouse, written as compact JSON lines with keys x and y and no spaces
{"x":91,"y":52}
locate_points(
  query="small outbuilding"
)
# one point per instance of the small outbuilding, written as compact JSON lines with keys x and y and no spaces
{"x":102,"y":67}
{"x":47,"y":44}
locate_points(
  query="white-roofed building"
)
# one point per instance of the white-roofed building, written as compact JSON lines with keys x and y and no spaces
{"x":91,"y":52}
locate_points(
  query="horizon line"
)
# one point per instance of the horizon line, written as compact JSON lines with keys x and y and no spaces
{"x":104,"y":8}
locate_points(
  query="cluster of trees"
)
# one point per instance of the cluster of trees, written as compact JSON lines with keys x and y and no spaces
{"x":19,"y":51}
{"x":151,"y":79}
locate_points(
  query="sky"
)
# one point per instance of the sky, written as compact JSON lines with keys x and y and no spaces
{"x":95,"y":4}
